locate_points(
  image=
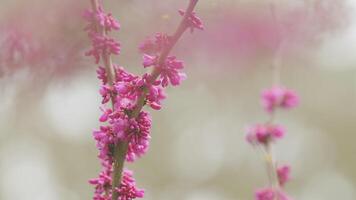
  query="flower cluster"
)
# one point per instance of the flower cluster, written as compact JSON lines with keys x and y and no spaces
{"x":279,"y":97}
{"x":127,"y":187}
{"x":169,"y":69}
{"x":124,"y":121}
{"x":264,"y":134}
{"x":156,"y":45}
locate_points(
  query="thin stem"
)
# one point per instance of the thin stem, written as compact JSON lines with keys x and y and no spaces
{"x":276,"y":63}
{"x":121,"y":148}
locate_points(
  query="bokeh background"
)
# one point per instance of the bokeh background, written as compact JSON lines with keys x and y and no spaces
{"x":49,"y":100}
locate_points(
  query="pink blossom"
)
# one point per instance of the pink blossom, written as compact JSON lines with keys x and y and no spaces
{"x":290,"y":100}
{"x":264,"y":133}
{"x":156,"y":45}
{"x":270,"y":194}
{"x":138,"y":136}
{"x":155,"y":97}
{"x":98,"y":17}
{"x":128,"y":189}
{"x":149,"y":60}
{"x":279,"y":97}
{"x":170,"y":72}
{"x":105,"y":92}
{"x":105,"y":138}
{"x":101,"y":72}
{"x":119,"y":123}
{"x":105,"y":116}
{"x":110,"y":23}
{"x":102,"y":45}
{"x":193,"y":22}
{"x":102,"y":183}
{"x":127,"y":95}
{"x":283,"y":173}
{"x":123,"y":75}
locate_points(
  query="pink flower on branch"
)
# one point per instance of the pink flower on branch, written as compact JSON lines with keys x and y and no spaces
{"x":169,"y":69}
{"x":127,"y":188}
{"x":264,"y":134}
{"x":193,"y":22}
{"x":99,"y":18}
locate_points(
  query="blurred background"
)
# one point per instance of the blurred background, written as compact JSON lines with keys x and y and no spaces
{"x":49,"y":98}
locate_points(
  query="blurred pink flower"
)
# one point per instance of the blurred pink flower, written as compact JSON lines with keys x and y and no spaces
{"x":278,"y":97}
{"x":270,"y":194}
{"x":53,"y":50}
{"x":250,"y":32}
{"x":283,"y":173}
{"x":264,"y":133}
{"x":154,"y":46}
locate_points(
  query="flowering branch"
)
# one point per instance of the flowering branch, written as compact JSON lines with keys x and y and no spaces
{"x":264,"y":135}
{"x":121,"y":149}
{"x":127,"y":135}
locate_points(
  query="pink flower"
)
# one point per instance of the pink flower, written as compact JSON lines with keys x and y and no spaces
{"x":110,"y":23}
{"x":105,"y":138}
{"x":127,"y":95}
{"x":101,"y":72}
{"x":290,"y":99}
{"x":105,"y":92}
{"x":119,"y":123}
{"x":105,"y":116}
{"x":264,"y":133}
{"x":149,"y":60}
{"x":98,"y":17}
{"x":128,"y":189}
{"x":170,"y":72}
{"x":102,"y":183}
{"x":155,"y":97}
{"x":102,"y":45}
{"x":138,"y":135}
{"x":283,"y":173}
{"x":156,"y":45}
{"x":193,"y":21}
{"x":270,"y":194}
{"x":279,"y":97}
